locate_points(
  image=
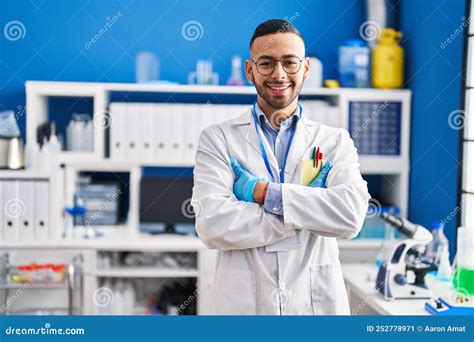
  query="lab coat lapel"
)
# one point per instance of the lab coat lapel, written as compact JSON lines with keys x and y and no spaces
{"x":252,"y":139}
{"x":304,"y":136}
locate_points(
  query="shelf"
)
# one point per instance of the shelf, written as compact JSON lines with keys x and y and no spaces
{"x":24,"y":174}
{"x":371,"y":164}
{"x":90,"y":89}
{"x":28,"y":286}
{"x":147,"y":272}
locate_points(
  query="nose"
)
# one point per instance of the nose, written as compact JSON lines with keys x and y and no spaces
{"x":278,"y":73}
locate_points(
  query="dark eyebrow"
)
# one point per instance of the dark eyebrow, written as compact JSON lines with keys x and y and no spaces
{"x":272,"y":57}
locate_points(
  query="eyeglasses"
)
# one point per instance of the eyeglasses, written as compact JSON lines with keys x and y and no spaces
{"x":266,"y":66}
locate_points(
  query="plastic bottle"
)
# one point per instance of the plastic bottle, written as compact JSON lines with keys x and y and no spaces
{"x":354,"y":68}
{"x":440,"y":241}
{"x":315,"y":78}
{"x":387,"y":60}
{"x":31,"y":155}
{"x":129,"y":298}
{"x":236,"y":78}
{"x":444,"y":268}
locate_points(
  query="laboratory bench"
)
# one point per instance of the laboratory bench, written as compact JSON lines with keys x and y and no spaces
{"x":364,"y":299}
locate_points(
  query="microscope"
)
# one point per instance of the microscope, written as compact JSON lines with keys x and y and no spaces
{"x":402,"y":275}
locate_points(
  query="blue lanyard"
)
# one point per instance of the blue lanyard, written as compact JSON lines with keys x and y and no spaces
{"x":264,"y":153}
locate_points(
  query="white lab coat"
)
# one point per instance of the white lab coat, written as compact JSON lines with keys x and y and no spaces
{"x":249,"y":280}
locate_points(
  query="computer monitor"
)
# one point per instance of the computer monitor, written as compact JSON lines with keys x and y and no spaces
{"x":164,"y":203}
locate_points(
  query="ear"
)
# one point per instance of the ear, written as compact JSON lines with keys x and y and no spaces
{"x":307,"y":68}
{"x":248,"y":71}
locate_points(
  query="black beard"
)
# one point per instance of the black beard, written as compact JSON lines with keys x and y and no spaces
{"x":277,"y":104}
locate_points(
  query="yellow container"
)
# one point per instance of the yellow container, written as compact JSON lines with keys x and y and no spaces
{"x":387,"y":60}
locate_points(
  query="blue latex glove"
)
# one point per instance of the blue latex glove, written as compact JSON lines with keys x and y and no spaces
{"x":320,"y":180}
{"x":245,"y":183}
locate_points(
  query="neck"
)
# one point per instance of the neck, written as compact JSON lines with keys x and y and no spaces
{"x":283,"y":113}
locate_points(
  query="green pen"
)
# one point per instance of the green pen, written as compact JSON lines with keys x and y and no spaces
{"x":315,"y":153}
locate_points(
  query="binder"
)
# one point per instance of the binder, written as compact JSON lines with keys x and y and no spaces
{"x":12,"y":208}
{"x":42,"y":214}
{"x":117,"y":131}
{"x":27,"y":217}
{"x":160,"y":144}
{"x":131,"y":131}
{"x":172,"y":134}
{"x":147,"y":127}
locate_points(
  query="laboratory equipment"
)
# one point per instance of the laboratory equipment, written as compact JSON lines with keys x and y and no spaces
{"x":389,"y":238}
{"x":354,"y":58}
{"x":444,"y":267}
{"x":464,"y":269}
{"x":402,"y":275}
{"x":147,"y":67}
{"x":79,"y":133}
{"x":11,"y":153}
{"x":315,"y":78}
{"x":387,"y":60}
{"x":165,"y":205}
{"x":446,"y":307}
{"x":203,"y":74}
{"x":102,"y":203}
{"x":11,"y":145}
{"x":236,"y":78}
{"x":439,"y":242}
{"x":50,"y":149}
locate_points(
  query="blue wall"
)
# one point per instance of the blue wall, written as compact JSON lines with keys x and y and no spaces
{"x":57,"y":31}
{"x":434,"y":75}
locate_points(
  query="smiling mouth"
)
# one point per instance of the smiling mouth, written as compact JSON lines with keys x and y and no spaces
{"x":279,"y":87}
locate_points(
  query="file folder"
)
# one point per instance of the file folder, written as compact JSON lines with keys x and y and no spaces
{"x":12,"y":209}
{"x":26,"y":219}
{"x":42,"y":214}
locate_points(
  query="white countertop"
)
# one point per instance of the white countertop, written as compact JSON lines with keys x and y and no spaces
{"x":361,"y":279}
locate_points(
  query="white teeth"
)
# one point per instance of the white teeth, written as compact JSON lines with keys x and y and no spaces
{"x":279,"y":88}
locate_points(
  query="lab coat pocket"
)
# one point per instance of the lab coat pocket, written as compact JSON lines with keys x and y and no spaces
{"x":328,"y":294}
{"x":234,"y":292}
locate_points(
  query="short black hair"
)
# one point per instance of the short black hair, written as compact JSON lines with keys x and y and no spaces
{"x":274,"y":26}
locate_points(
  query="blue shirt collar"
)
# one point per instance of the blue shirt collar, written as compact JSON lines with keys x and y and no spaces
{"x":263,"y":119}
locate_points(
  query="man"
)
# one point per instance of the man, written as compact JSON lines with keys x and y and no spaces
{"x":276,"y":237}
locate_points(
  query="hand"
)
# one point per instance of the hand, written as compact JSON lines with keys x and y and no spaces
{"x":320,"y":180}
{"x":245,"y":184}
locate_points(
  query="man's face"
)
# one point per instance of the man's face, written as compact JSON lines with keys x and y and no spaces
{"x":279,"y":88}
